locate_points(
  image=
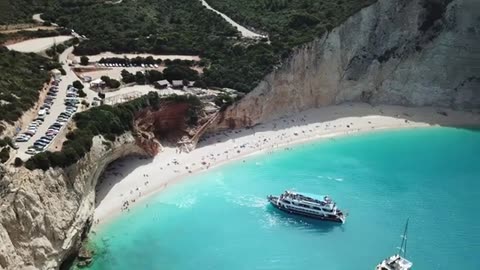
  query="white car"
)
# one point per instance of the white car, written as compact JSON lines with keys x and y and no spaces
{"x":21,"y":139}
{"x":31,"y":151}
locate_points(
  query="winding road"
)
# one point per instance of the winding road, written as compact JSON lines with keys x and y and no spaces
{"x":245,"y":32}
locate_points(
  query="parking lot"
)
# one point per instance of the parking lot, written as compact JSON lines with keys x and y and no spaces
{"x":56,"y":109}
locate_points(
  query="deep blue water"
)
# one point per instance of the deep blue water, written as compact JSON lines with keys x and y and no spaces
{"x":221,"y":220}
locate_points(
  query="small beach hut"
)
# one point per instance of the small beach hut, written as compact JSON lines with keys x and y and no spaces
{"x":177,"y":84}
{"x":162,"y":84}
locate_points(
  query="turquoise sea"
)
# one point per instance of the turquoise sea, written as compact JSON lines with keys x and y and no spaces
{"x":220,"y":219}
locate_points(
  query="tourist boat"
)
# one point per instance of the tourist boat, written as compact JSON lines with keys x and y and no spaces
{"x":314,"y":206}
{"x":397,"y":261}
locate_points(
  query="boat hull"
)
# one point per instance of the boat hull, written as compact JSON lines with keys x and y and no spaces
{"x":273,"y":201}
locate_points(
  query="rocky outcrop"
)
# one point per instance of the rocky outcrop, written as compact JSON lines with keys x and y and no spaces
{"x":43,"y":215}
{"x":401,"y":52}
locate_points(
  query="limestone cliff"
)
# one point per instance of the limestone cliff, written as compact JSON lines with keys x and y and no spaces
{"x":402,"y":52}
{"x":44,"y":214}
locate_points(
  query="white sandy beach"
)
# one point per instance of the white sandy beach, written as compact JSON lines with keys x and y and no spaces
{"x":133,"y":179}
{"x":38,"y":44}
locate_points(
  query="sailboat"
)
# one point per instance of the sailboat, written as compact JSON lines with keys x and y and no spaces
{"x":398,"y":261}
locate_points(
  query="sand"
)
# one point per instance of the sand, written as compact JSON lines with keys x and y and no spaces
{"x":38,"y":44}
{"x":133,"y":179}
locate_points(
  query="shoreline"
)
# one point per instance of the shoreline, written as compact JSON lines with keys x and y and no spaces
{"x":123,"y":182}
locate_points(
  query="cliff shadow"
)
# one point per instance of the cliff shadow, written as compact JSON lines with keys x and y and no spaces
{"x":115,"y":172}
{"x":428,"y":115}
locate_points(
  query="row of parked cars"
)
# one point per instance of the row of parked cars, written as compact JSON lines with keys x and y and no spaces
{"x":127,"y":65}
{"x":71,"y":103}
{"x":44,"y":110}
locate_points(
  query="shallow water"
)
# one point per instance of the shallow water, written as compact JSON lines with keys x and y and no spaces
{"x":221,"y":219}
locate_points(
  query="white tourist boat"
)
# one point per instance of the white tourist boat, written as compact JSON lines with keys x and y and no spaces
{"x":314,"y":206}
{"x":397,"y":261}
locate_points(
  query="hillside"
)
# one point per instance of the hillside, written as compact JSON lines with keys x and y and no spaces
{"x":21,"y":78}
{"x":20,"y":11}
{"x":186,"y":27}
{"x":290,"y":23}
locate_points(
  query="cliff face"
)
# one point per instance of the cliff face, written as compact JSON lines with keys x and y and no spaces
{"x":401,"y":52}
{"x":44,"y":214}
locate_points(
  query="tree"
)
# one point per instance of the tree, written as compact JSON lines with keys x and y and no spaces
{"x":177,"y":72}
{"x":81,"y":93}
{"x":127,"y":77}
{"x":200,"y":84}
{"x":153,"y":75}
{"x":139,"y":77}
{"x":114,"y":83}
{"x":4,"y":154}
{"x":77,"y":84}
{"x":18,"y":162}
{"x":84,"y":60}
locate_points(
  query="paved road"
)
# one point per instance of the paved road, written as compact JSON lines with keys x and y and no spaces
{"x":38,"y":19}
{"x":245,"y":32}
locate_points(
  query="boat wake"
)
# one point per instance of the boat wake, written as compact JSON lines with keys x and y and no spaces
{"x":338,"y":179}
{"x":248,"y":201}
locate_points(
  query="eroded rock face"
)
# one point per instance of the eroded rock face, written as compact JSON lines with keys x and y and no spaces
{"x":43,"y":214}
{"x":401,"y":52}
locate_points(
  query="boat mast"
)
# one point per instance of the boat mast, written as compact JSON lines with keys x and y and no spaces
{"x":403,"y":245}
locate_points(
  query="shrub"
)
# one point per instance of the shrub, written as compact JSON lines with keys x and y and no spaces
{"x":84,"y":61}
{"x":81,"y":93}
{"x":5,"y":154}
{"x":18,"y":162}
{"x":200,"y":84}
{"x":77,"y":84}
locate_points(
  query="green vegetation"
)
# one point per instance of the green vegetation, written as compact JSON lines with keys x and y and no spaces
{"x":172,"y":72}
{"x":186,"y":27}
{"x":78,"y":84}
{"x":290,"y":23}
{"x":21,"y":78}
{"x":4,"y":154}
{"x":168,"y":27}
{"x":84,"y":60}
{"x":18,"y":162}
{"x":57,"y":49}
{"x":20,"y":11}
{"x":108,"y":121}
{"x":109,"y":82}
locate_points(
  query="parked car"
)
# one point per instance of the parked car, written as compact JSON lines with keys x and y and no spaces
{"x":31,"y":151}
{"x":39,"y":144}
{"x":21,"y":139}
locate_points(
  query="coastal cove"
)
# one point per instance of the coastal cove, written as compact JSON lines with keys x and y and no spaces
{"x":380,"y":178}
{"x":132,"y":180}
